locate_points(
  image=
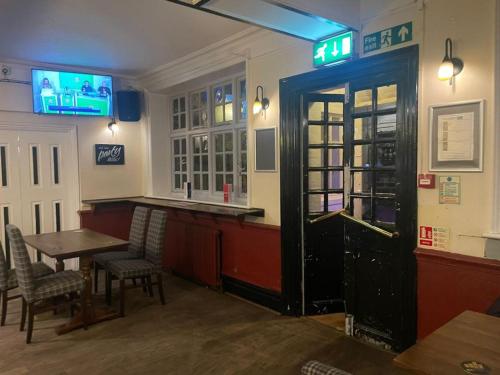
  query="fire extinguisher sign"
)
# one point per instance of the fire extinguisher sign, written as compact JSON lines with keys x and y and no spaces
{"x":433,"y":237}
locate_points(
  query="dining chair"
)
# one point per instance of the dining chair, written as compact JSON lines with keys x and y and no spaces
{"x":142,"y":268}
{"x":35,"y":291}
{"x":135,"y":248}
{"x":8,"y":281}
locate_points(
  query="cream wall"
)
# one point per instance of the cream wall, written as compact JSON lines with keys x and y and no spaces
{"x":95,"y":181}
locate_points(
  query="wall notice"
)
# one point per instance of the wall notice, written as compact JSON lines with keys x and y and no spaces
{"x":437,"y":238}
{"x":456,"y":137}
{"x":449,"y":189}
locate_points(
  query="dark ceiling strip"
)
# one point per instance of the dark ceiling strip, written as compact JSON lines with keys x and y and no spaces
{"x":239,"y":20}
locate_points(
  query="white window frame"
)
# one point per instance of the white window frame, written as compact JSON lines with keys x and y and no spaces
{"x":236,"y":126}
{"x":201,"y":172}
{"x":200,"y":109}
{"x":174,"y":156}
{"x":223,"y":84}
{"x":179,"y":113}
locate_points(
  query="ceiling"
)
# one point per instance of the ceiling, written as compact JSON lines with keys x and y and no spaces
{"x":127,"y":37}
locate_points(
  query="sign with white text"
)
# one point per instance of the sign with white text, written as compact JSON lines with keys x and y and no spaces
{"x":389,"y":37}
{"x":109,"y":154}
{"x":430,"y":237}
{"x":333,"y":50}
{"x":449,"y":189}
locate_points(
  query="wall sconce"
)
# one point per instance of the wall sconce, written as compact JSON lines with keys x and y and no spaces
{"x":260,"y":103}
{"x":451,"y":66}
{"x":113,"y":126}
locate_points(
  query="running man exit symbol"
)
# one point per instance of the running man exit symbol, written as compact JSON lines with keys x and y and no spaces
{"x":388,"y":38}
{"x":333,"y":50}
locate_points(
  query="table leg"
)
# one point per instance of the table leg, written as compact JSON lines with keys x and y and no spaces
{"x":59,"y":265}
{"x":93,"y":314}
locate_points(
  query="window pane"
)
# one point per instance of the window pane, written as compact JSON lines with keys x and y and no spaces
{"x":385,"y":211}
{"x":229,"y":179}
{"x":229,"y":112}
{"x":197,"y":185}
{"x":243,"y":139}
{"x":196,"y":119}
{"x":244,"y":162}
{"x":315,"y":180}
{"x":196,"y":163}
{"x":218,"y":95}
{"x":184,"y":164}
{"x":176,"y":122}
{"x":228,"y":91}
{"x":362,"y":155}
{"x":335,"y":134}
{"x":204,"y":144}
{"x":182,"y":104}
{"x":229,"y":162}
{"x":335,"y":157}
{"x":183,"y":145}
{"x":184,"y":179}
{"x":219,"y":163}
{"x":315,"y":133}
{"x":386,"y":126}
{"x":195,"y":101}
{"x":196,"y":145}
{"x":363,"y":101}
{"x":177,"y":148}
{"x":362,"y":182}
{"x":182,"y":123}
{"x":219,"y":114}
{"x":316,"y":111}
{"x":203,"y":99}
{"x":316,"y":203}
{"x":315,"y":157}
{"x":363,"y":128}
{"x":204,"y":163}
{"x":176,"y":106}
{"x":335,"y":112}
{"x":361,"y":208}
{"x":386,"y":97}
{"x":386,"y":155}
{"x":243,"y":89}
{"x":228,"y":142}
{"x":219,"y":182}
{"x":385,"y":182}
{"x":218,"y":143}
{"x":335,"y":180}
{"x":177,"y":164}
{"x":205,"y":182}
{"x":335,"y":202}
{"x":244,"y":187}
{"x":177,"y":181}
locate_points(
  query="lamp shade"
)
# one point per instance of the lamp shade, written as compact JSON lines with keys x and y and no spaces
{"x":257,"y":106}
{"x":446,"y":70}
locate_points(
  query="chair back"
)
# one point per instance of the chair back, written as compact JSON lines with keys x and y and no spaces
{"x":22,"y":261}
{"x":4,"y":272}
{"x":155,"y":238}
{"x":138,"y":231}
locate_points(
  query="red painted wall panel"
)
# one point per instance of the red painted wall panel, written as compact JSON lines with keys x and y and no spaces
{"x":449,"y":284}
{"x":250,"y":252}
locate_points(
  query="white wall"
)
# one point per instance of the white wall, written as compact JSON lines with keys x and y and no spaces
{"x":95,"y":181}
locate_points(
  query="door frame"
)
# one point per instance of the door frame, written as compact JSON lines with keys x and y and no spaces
{"x":26,"y":126}
{"x":291,"y":90}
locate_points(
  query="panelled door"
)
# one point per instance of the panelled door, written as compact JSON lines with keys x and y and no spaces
{"x":41,"y":191}
{"x":323,"y":192}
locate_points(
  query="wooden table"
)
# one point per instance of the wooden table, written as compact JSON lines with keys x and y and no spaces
{"x":470,"y":336}
{"x":81,"y":243}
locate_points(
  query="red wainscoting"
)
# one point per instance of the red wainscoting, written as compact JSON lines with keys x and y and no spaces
{"x":250,"y":252}
{"x":449,"y":284}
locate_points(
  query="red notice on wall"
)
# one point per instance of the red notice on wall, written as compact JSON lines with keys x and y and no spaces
{"x":433,"y":237}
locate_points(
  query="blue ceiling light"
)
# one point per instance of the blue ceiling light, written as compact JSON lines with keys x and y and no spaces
{"x":271,"y":15}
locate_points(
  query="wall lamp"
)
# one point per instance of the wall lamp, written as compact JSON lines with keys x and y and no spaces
{"x":260,"y":103}
{"x":113,"y":126}
{"x":451,"y":66}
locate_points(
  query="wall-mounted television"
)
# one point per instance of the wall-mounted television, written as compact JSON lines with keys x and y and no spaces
{"x":67,"y":93}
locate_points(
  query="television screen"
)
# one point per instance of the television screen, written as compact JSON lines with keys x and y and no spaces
{"x":66,"y":93}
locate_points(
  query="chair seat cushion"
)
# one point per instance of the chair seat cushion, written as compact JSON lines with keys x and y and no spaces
{"x":130,"y":268}
{"x":39,"y":269}
{"x":104,"y":258}
{"x":318,"y":368}
{"x":58,"y":284}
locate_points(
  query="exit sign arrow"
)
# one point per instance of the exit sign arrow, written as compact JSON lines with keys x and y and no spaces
{"x":403,"y":32}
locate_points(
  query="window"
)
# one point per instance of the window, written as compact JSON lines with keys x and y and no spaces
{"x":223,"y":160}
{"x":199,"y":109}
{"x":223,"y":103}
{"x":200,"y":162}
{"x":179,"y":113}
{"x":242,"y":161}
{"x":209,"y":144}
{"x":180,"y":163}
{"x":242,"y":100}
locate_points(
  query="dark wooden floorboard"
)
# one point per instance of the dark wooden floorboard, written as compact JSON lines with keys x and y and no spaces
{"x":197,"y":331}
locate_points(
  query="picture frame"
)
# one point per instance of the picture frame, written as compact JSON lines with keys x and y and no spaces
{"x":456,"y":136}
{"x":265,"y":150}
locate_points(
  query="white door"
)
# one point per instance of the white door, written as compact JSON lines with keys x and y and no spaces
{"x":42,"y":192}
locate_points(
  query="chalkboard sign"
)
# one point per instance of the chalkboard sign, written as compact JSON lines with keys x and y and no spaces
{"x":109,"y":154}
{"x":265,"y":150}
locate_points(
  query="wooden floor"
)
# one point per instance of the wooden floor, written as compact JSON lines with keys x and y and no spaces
{"x":198,"y":331}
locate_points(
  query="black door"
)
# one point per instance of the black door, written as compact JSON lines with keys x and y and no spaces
{"x":323,"y":192}
{"x":377,"y":229}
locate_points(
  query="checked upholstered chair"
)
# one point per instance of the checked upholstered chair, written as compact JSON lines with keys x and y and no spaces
{"x":8,"y":281}
{"x":135,"y":248}
{"x":37,"y":290}
{"x":318,"y":368}
{"x":142,"y":268}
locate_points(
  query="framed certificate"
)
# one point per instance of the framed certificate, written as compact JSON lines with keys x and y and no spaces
{"x":456,"y":136}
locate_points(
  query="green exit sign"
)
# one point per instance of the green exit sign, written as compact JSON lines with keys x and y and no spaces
{"x":332,"y":50}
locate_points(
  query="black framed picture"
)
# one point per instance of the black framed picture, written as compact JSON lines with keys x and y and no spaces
{"x":106,"y":154}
